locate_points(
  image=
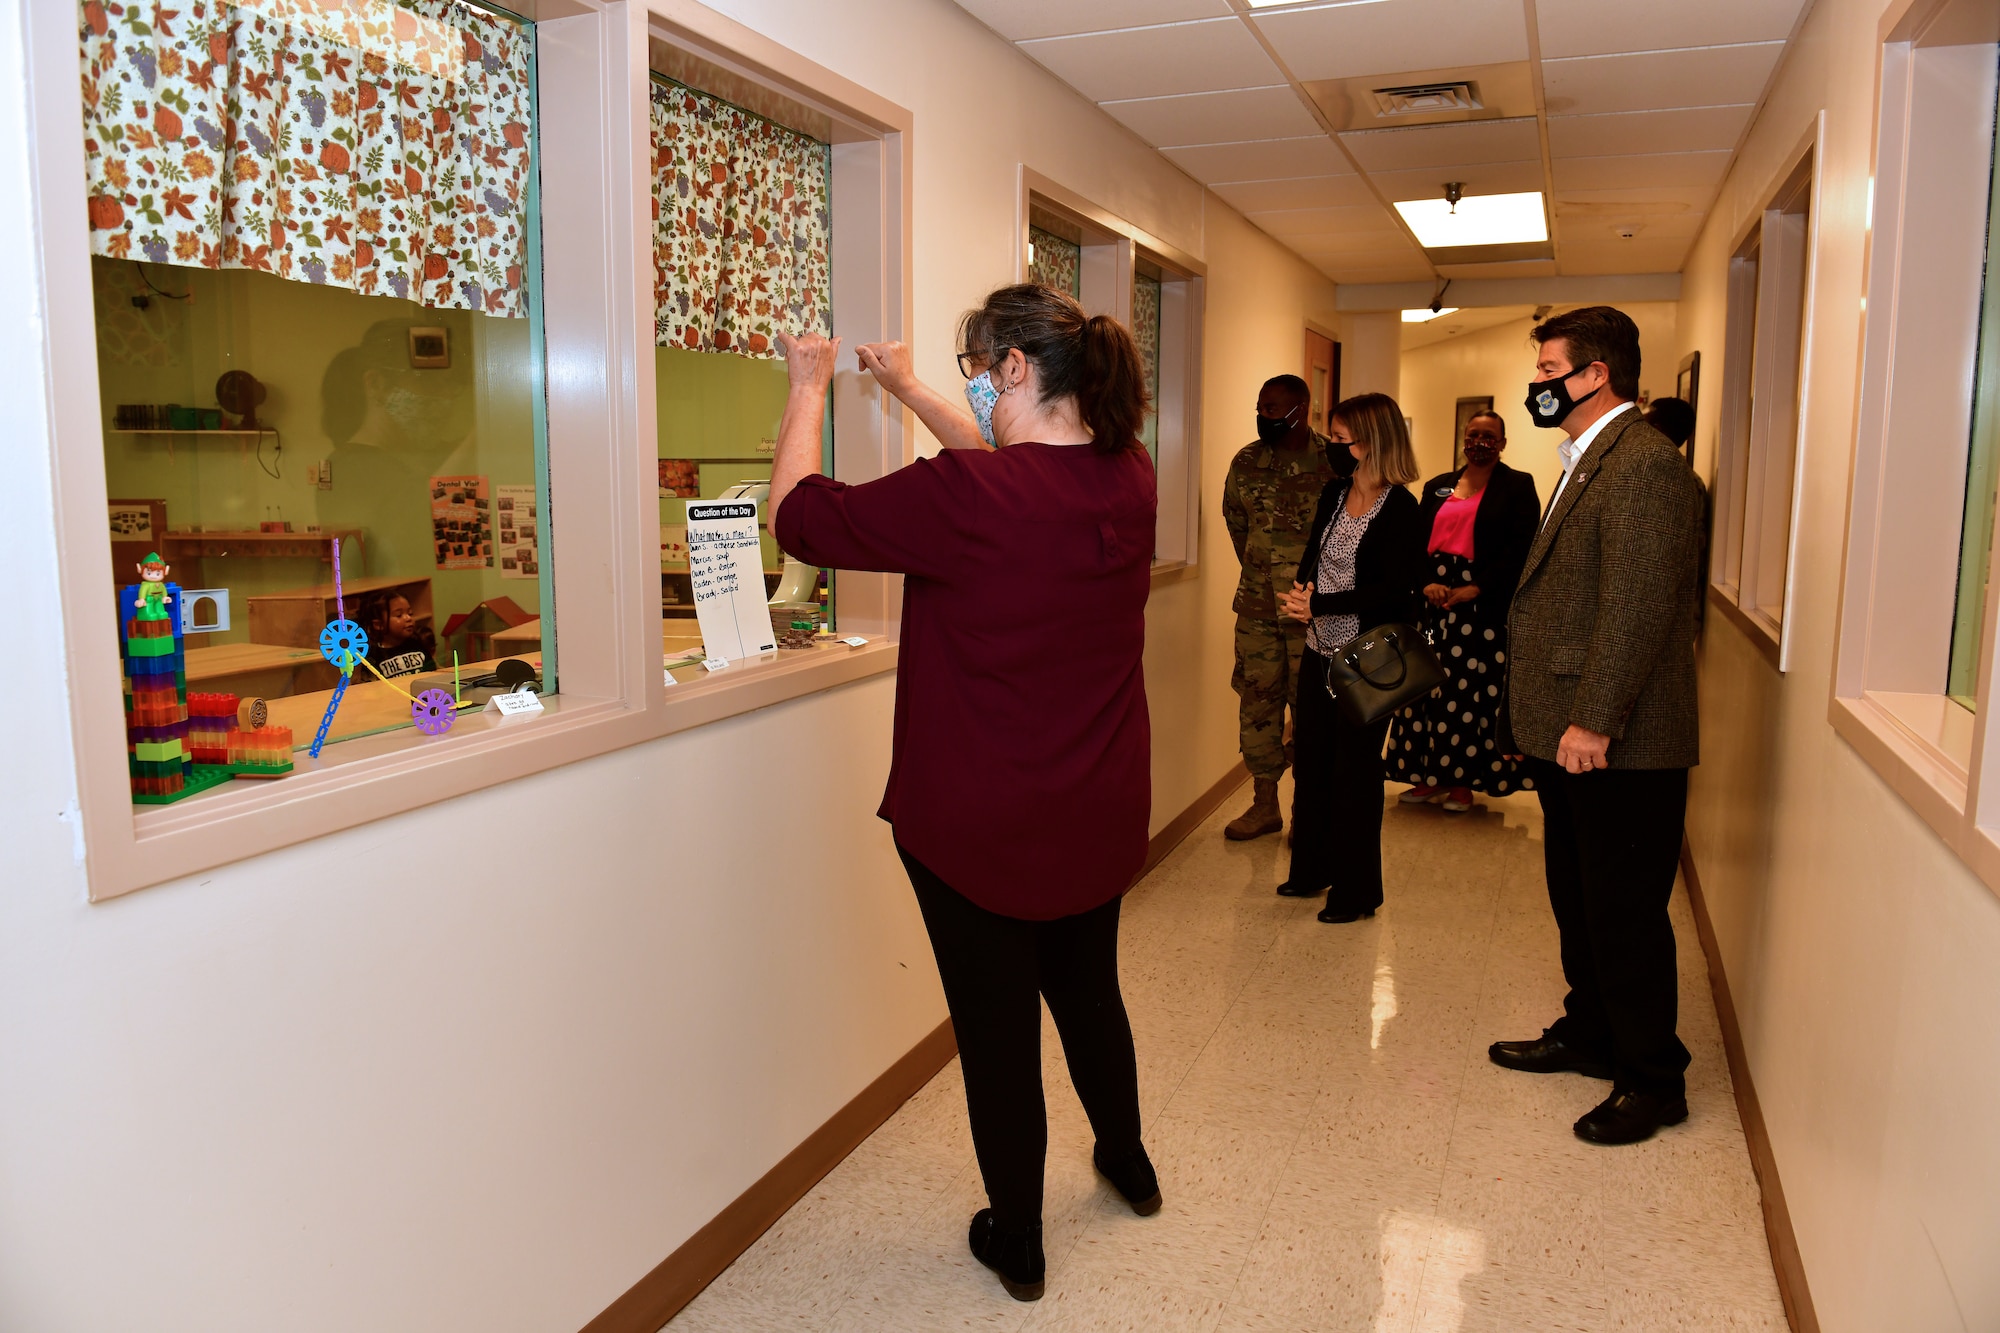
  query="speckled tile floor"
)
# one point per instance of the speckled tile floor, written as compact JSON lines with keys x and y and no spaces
{"x":1335,"y":1150}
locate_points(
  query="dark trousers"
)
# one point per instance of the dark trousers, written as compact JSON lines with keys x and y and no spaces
{"x":996,"y":972}
{"x":1612,"y":842}
{"x":1336,"y":796}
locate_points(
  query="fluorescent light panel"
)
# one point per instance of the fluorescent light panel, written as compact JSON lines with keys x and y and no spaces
{"x":1481,"y":219}
{"x":1426,"y":316}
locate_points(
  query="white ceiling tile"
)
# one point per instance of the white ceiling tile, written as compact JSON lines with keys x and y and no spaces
{"x":1020,"y":20}
{"x":1685,"y":131}
{"x":1413,"y":270}
{"x":1202,"y":118}
{"x":1429,"y":182}
{"x":1303,"y":192}
{"x":1638,"y":170}
{"x":1595,"y":229}
{"x":1600,"y":27}
{"x":1653,"y":199}
{"x":1159,"y":61}
{"x":1665,"y":255}
{"x":1708,"y":76}
{"x":1348,"y":41}
{"x":1325,"y":221}
{"x":1518,"y":268}
{"x":1262,"y":159}
{"x":1445,"y":145}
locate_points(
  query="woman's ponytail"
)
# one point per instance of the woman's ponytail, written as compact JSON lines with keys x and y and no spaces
{"x":1112,"y":394}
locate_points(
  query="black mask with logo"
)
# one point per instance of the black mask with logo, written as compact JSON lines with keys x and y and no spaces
{"x":1549,"y":403}
{"x":1273,"y":430}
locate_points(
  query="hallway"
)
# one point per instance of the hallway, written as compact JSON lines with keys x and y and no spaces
{"x":1335,"y":1150}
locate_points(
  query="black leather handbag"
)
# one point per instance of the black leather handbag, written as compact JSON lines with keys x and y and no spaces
{"x":1381,"y":670}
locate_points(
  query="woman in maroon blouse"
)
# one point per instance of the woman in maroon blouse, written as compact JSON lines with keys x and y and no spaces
{"x":1020,"y":787}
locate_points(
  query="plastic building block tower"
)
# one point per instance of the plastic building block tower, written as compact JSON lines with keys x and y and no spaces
{"x":157,"y":748}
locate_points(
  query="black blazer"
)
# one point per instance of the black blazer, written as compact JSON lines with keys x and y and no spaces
{"x":1502,"y":532}
{"x":1389,"y":564}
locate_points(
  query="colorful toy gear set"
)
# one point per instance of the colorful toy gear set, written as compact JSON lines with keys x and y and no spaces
{"x":345,"y":644}
{"x":179,"y":744}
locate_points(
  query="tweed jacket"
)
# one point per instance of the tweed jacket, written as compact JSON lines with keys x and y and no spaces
{"x":1603,"y":621}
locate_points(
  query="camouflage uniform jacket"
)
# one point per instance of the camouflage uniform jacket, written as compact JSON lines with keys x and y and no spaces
{"x":1268,"y":504}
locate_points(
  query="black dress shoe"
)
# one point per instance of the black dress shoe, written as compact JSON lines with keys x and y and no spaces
{"x":1291,"y":890}
{"x":1340,"y":916}
{"x":1630,"y":1117}
{"x":1014,"y":1256}
{"x":1546,"y":1055}
{"x":1132,"y":1177}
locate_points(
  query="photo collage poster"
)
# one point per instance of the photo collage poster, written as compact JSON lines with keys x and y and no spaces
{"x":462,"y":522}
{"x":520,"y":531}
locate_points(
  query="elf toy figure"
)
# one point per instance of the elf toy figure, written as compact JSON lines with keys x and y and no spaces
{"x":152,"y":599}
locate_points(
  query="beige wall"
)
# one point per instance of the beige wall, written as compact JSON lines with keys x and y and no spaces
{"x":1864,"y":959}
{"x":483,"y":1064}
{"x":1499,"y":362}
{"x":1371,"y":353}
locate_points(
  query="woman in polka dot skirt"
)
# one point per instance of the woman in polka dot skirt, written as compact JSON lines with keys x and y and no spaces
{"x":1481,"y":520}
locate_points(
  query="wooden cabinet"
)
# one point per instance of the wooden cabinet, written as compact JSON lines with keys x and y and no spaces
{"x":296,"y":617}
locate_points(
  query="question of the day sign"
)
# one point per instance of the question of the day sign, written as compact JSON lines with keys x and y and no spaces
{"x":725,"y":565}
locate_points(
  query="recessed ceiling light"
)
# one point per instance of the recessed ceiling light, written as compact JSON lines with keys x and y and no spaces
{"x":1479,"y":219}
{"x":1426,"y":316}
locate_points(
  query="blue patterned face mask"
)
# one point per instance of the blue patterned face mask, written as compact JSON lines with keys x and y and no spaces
{"x":980,"y":393}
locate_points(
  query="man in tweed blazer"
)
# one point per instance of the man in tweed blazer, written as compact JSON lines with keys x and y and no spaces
{"x":1601,"y":699}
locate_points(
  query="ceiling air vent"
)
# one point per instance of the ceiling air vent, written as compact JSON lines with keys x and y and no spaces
{"x":1427,"y":99}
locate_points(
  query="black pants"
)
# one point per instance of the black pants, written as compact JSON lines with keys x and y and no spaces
{"x":996,"y":971}
{"x":1336,"y":797}
{"x":1612,"y":842}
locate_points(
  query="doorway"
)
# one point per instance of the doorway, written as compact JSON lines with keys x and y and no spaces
{"x":1322,"y":376}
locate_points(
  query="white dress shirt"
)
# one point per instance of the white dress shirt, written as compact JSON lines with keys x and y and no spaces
{"x":1571,"y":451}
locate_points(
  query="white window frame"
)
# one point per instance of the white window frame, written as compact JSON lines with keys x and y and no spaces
{"x":1111,"y":247}
{"x":1933,"y":158}
{"x":603,"y":525}
{"x":1766,"y":383}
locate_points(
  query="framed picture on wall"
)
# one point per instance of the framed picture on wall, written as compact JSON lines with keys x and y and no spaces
{"x":1468,"y":408}
{"x":1687,"y":384}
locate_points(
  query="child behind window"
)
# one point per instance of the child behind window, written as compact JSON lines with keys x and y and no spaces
{"x":397,"y":645}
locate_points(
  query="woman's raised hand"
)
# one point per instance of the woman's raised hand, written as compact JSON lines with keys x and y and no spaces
{"x":809,"y":360}
{"x":889,"y":363}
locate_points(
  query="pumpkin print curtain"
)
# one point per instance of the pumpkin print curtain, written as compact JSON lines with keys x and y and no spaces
{"x":740,"y":227}
{"x":367,"y":144}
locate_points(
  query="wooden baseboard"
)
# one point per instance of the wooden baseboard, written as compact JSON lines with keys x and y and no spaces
{"x":680,"y":1277}
{"x":659,"y":1296}
{"x":1785,"y":1256}
{"x":1187,"y":821}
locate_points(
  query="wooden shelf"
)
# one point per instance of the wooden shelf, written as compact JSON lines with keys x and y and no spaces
{"x":204,"y":545}
{"x":195,"y":430}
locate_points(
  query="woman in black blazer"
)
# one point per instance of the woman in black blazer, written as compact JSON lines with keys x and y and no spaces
{"x":1478,"y":523}
{"x":1363,"y":566}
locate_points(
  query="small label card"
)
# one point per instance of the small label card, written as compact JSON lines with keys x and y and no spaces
{"x":671,"y":682}
{"x":715,"y":664}
{"x":516,"y":704}
{"x":855,"y":641}
{"x":725,"y":567}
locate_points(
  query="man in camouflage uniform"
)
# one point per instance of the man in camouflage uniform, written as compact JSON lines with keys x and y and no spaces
{"x":1268,"y":504}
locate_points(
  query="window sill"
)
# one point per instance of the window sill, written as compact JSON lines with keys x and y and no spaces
{"x":1760,"y":629}
{"x":1908,"y":741}
{"x":371,"y":777}
{"x":1173,"y":571}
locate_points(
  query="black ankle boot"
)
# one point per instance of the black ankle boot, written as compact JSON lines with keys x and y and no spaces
{"x":1014,"y":1256}
{"x":1133,"y":1177}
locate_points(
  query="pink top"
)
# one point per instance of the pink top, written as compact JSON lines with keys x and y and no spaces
{"x":1451,"y":530}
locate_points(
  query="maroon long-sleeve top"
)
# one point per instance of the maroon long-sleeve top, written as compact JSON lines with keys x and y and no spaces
{"x":1022,"y":762}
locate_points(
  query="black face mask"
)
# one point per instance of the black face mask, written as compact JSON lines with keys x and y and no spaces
{"x":1273,"y":430}
{"x":1548,"y":401}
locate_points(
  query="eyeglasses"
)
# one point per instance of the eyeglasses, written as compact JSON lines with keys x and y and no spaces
{"x":986,"y":354}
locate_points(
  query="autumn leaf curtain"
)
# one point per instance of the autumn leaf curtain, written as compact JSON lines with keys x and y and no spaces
{"x":741,"y":227}
{"x":367,"y":144}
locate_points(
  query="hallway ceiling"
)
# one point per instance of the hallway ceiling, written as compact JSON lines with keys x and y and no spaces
{"x":1624,"y":114}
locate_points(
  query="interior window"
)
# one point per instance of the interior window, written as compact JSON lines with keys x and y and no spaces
{"x":741,"y":251}
{"x":315,"y":260}
{"x":1976,"y":545}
